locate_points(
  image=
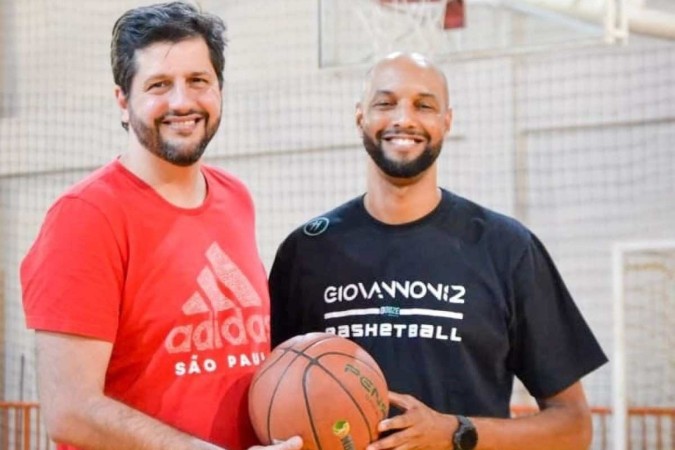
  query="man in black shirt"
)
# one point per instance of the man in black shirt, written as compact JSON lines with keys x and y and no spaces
{"x":451,"y":299}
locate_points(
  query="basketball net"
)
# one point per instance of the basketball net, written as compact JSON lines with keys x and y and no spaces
{"x":410,"y":25}
{"x":448,"y":13}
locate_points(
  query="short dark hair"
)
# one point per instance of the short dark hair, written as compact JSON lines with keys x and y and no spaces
{"x":172,"y":22}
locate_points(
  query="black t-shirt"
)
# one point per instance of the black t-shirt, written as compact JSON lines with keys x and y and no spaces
{"x":451,"y":306}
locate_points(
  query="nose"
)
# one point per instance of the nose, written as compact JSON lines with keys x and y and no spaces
{"x":181,"y":98}
{"x":404,"y":116}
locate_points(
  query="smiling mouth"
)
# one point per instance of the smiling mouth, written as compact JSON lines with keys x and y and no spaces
{"x":182,"y":125}
{"x":403,"y":140}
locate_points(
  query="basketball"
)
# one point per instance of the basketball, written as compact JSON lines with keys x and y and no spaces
{"x":321,"y":387}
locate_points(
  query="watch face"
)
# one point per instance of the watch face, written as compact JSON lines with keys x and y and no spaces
{"x":468,"y":439}
{"x":466,"y":436}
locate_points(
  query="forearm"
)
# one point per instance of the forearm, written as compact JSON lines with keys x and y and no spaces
{"x":71,"y":372}
{"x":102,"y":423}
{"x":555,"y":428}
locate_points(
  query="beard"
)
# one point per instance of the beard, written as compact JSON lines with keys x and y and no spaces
{"x":176,"y":153}
{"x":401,"y":169}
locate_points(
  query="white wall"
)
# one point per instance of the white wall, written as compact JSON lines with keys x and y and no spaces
{"x":592,"y":129}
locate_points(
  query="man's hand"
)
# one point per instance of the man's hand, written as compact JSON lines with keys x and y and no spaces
{"x":294,"y":443}
{"x":419,"y":427}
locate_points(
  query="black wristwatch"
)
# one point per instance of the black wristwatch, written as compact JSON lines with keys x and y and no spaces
{"x":465,"y":437}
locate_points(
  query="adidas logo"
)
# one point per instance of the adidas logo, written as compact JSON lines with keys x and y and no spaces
{"x":224,"y":295}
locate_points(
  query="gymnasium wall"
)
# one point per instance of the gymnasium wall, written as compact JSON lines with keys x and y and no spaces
{"x":577,"y":143}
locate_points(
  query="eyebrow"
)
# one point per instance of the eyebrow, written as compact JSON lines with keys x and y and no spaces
{"x":422,"y":94}
{"x":431,"y":96}
{"x":160,"y":75}
{"x":382,"y":92}
{"x":202,"y":73}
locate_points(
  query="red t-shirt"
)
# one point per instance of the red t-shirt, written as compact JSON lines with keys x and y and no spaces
{"x":181,"y":294}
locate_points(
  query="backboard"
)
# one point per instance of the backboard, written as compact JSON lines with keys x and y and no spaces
{"x":354,"y":32}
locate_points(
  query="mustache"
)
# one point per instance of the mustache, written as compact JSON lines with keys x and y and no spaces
{"x":382,"y":134}
{"x":200,"y":113}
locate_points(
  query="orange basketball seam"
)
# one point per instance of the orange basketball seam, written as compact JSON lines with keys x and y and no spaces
{"x":306,"y":401}
{"x":276,"y":388}
{"x":285,"y":350}
{"x":316,"y":362}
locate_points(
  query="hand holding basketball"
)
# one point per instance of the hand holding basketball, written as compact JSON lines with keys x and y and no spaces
{"x":321,"y":387}
{"x":418,"y":426}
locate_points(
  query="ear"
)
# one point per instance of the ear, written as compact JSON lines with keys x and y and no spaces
{"x":447,"y":120}
{"x":359,"y":116}
{"x":123,"y":104}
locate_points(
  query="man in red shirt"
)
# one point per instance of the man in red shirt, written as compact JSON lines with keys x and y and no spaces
{"x":144,"y":286}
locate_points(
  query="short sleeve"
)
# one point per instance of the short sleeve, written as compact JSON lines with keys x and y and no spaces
{"x":552,"y":345}
{"x":72,"y":277}
{"x":283,"y":323}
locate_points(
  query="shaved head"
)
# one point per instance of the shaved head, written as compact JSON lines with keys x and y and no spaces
{"x":402,"y":58}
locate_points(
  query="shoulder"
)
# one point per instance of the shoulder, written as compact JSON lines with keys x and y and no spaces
{"x":334,"y":221}
{"x":99,"y":183}
{"x":82,"y":218}
{"x":222,"y":177}
{"x":468,"y":212}
{"x":95,"y":207}
{"x":223,"y":182}
{"x":325,"y":226}
{"x":96,"y":194}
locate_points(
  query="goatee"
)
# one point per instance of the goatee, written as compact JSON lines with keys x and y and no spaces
{"x":174,"y":153}
{"x":401,"y":169}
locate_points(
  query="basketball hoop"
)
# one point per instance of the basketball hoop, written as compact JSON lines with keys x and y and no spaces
{"x":356,"y":32}
{"x":402,"y":25}
{"x":449,"y":13}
